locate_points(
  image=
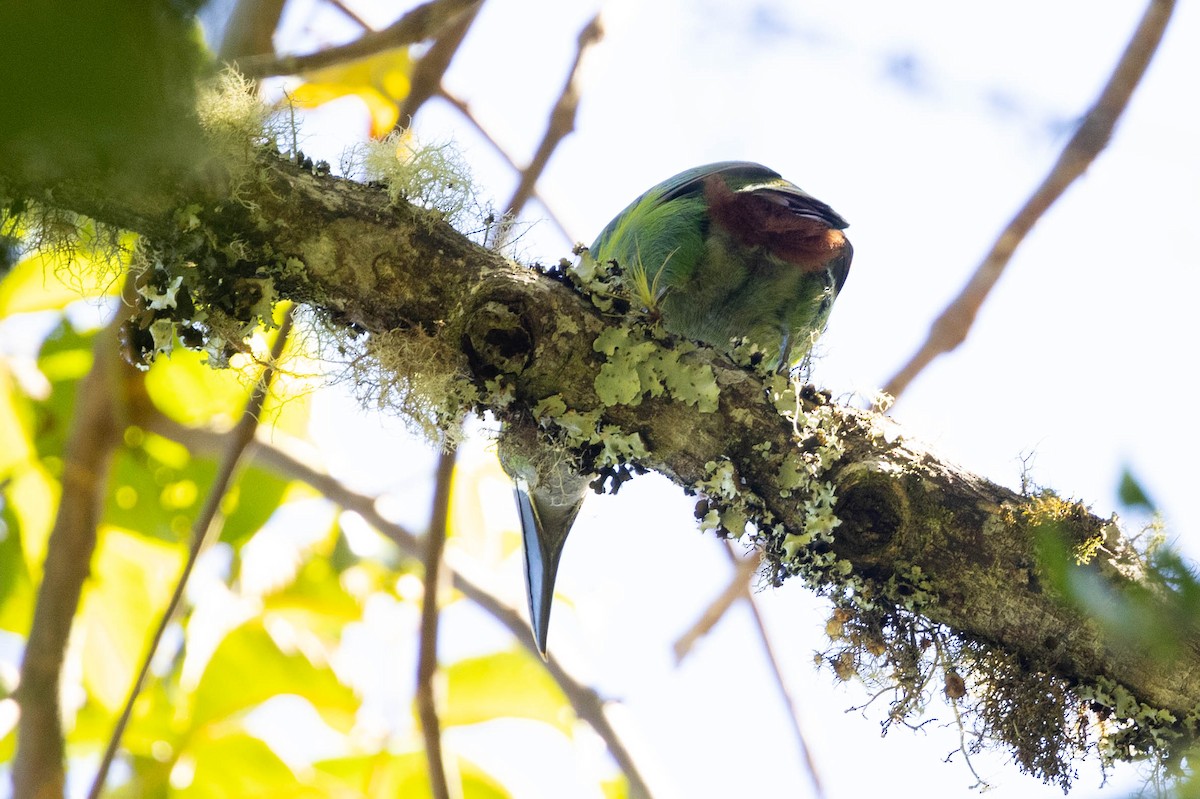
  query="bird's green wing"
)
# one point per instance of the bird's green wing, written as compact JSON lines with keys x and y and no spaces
{"x":659,"y":238}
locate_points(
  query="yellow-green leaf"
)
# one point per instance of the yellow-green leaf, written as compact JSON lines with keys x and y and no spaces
{"x":52,"y":280}
{"x":239,"y":765}
{"x":34,"y":494}
{"x":16,"y":587}
{"x":16,"y":446}
{"x":248,"y":668}
{"x":380,"y":80}
{"x":193,"y":393}
{"x":132,"y":578}
{"x":400,"y":775}
{"x":503,"y":684}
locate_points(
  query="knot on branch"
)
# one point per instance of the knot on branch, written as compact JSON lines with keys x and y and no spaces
{"x":497,"y":340}
{"x":873,"y":509}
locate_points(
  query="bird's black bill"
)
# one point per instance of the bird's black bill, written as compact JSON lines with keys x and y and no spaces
{"x":543,"y":548}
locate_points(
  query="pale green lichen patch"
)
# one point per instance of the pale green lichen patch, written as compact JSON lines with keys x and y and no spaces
{"x":637,"y":366}
{"x":600,"y":283}
{"x":728,"y":506}
{"x":618,"y":448}
{"x":608,"y":444}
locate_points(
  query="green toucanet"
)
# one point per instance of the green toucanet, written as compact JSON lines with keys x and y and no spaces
{"x":724,"y":253}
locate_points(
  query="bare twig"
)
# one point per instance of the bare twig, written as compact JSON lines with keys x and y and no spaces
{"x":350,"y":14}
{"x":419,"y":24}
{"x":587,"y":704}
{"x":737,"y":588}
{"x":206,"y":528}
{"x":950,"y":329}
{"x":463,"y":108}
{"x":427,"y":74}
{"x":94,"y":436}
{"x":435,"y":541}
{"x":793,"y":710}
{"x":562,"y":122}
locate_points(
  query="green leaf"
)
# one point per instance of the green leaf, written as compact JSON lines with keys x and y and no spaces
{"x":187,"y":389}
{"x":120,"y":108}
{"x":149,"y":746}
{"x":248,"y":668}
{"x":158,"y":488}
{"x":1132,"y":495}
{"x":250,"y":503}
{"x":65,"y":357}
{"x":315,"y":600}
{"x":16,"y":587}
{"x":52,"y":280}
{"x":242,"y":766}
{"x":33,"y":496}
{"x":132,"y":579}
{"x":503,"y":684}
{"x":1154,"y":616}
{"x":157,"y":496}
{"x":16,"y":426}
{"x":401,"y":775}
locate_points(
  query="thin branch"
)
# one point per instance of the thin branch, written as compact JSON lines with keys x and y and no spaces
{"x":780,"y":682}
{"x":739,"y":588}
{"x":435,"y":542}
{"x":350,"y":13}
{"x":463,"y":108}
{"x":94,"y":436}
{"x":562,"y":122}
{"x":205,"y":530}
{"x":419,"y":24}
{"x":587,"y":704}
{"x":735,"y":589}
{"x":428,"y":72}
{"x":951,"y":328}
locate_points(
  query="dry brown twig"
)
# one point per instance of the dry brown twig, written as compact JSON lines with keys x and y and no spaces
{"x":350,"y":14}
{"x":561,"y":124}
{"x":427,"y":666}
{"x":464,"y":108}
{"x":428,"y":72}
{"x":793,"y":714}
{"x":951,"y":328}
{"x":737,"y":588}
{"x":423,"y":22}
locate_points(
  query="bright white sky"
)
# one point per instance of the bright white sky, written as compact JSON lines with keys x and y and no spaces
{"x":926,"y":124}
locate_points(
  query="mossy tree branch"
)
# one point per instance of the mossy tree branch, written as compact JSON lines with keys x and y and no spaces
{"x":916,"y":538}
